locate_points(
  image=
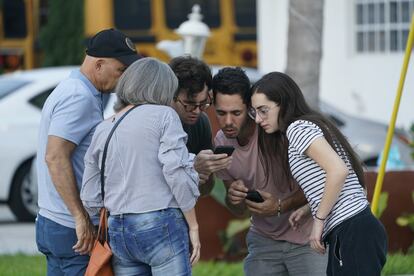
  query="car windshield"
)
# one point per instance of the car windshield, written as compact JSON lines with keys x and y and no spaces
{"x":7,"y":86}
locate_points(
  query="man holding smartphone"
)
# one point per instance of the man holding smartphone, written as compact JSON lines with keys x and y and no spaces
{"x":274,"y":247}
{"x":191,"y":100}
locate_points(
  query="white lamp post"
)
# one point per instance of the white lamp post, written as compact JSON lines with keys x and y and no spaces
{"x":194,"y":33}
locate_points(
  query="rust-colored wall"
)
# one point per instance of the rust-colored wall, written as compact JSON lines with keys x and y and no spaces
{"x":212,"y":218}
{"x":399,"y":185}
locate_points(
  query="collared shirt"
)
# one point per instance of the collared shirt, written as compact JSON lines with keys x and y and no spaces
{"x":71,"y":112}
{"x":148,"y":166}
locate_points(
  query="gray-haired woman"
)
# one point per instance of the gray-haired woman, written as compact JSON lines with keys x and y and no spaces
{"x":150,"y":184}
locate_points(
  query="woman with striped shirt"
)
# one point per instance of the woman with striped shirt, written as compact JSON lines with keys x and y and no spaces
{"x":310,"y":148}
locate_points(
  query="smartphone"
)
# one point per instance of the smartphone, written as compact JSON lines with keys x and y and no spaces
{"x":254,"y":196}
{"x":224,"y":149}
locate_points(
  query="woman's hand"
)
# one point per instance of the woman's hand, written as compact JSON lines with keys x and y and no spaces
{"x":195,"y":244}
{"x":316,"y":236}
{"x":298,"y":216}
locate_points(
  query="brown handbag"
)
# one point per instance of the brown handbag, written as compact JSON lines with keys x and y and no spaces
{"x":101,"y":254}
{"x":100,"y":261}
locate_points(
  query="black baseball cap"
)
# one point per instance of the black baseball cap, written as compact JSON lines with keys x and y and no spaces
{"x":112,"y":43}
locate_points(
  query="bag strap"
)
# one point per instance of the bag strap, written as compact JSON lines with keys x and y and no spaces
{"x":106,"y":150}
{"x":102,"y":234}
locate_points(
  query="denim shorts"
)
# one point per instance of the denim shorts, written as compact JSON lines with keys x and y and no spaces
{"x":153,"y":243}
{"x":56,"y":242}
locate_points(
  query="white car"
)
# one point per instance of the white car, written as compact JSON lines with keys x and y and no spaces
{"x":22,"y":95}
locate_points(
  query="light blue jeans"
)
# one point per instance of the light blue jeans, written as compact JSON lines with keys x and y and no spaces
{"x":153,"y":243}
{"x":268,"y":257}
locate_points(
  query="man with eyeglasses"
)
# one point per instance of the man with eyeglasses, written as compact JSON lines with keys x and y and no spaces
{"x":274,"y":248}
{"x":191,"y":100}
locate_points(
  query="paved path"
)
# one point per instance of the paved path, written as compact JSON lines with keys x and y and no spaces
{"x":16,"y":237}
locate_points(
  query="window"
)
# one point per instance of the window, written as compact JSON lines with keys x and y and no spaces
{"x":40,"y":99}
{"x":9,"y":85}
{"x":14,"y":18}
{"x":176,"y":12}
{"x":132,"y":15}
{"x":382,"y":25}
{"x":245,"y":12}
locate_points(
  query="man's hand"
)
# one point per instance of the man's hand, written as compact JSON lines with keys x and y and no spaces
{"x":237,"y":192}
{"x":299,"y":215}
{"x":266,"y":208}
{"x":206,"y":162}
{"x":203,"y":178}
{"x":85,"y":232}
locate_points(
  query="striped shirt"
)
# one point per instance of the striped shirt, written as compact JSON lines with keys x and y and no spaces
{"x":311,"y":177}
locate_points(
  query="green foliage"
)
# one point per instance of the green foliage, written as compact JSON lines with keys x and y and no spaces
{"x":218,"y":269}
{"x":232,"y":240}
{"x":382,"y":203}
{"x":61,"y":39}
{"x":16,"y":265}
{"x":407,"y":220}
{"x":399,"y":264}
{"x":219,"y":192}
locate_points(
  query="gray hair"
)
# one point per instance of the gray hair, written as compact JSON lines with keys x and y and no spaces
{"x":146,"y":81}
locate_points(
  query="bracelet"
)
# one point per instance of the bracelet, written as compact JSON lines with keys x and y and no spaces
{"x":279,"y":207}
{"x":322,"y":219}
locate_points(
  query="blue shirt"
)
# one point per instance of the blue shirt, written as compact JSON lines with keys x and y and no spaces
{"x":71,"y":112}
{"x":148,"y":166}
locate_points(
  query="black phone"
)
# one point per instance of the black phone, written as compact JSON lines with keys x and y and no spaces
{"x":254,"y":196}
{"x":224,"y":149}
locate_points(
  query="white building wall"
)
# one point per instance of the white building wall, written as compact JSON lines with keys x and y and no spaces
{"x":360,"y":84}
{"x":272,"y":23}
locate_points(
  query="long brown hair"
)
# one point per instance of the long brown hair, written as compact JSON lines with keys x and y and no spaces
{"x":273,"y":148}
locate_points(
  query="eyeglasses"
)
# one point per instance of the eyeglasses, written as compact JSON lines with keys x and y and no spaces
{"x":263,"y":112}
{"x":192,"y":107}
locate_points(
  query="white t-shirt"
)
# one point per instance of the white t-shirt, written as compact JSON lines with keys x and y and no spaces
{"x":311,"y":177}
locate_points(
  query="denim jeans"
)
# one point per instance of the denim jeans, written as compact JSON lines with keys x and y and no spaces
{"x":268,"y":257}
{"x":153,"y":243}
{"x":56,"y":241}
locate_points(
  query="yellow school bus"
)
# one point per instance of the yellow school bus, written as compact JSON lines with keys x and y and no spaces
{"x":232,"y":24}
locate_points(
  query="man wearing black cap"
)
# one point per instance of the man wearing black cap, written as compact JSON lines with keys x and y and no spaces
{"x":64,"y":231}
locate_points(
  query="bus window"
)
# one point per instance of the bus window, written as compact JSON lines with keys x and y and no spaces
{"x":245,"y":13}
{"x":43,"y":13}
{"x":132,"y":15}
{"x":177,"y":10}
{"x":14,"y":18}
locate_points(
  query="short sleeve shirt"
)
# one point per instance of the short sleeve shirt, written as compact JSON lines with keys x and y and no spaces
{"x":311,"y":177}
{"x":246,"y":166}
{"x":71,"y":112}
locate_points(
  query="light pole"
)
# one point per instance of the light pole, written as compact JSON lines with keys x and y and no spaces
{"x":194,"y":33}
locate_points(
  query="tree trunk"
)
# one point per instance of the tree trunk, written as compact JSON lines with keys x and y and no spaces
{"x":305,"y":46}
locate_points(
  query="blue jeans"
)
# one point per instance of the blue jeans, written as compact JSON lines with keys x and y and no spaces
{"x":56,"y":241}
{"x":153,"y":243}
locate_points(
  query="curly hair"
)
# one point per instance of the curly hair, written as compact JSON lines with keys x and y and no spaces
{"x":192,"y":75}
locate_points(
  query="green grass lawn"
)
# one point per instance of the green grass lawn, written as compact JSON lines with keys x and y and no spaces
{"x":18,"y":265}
